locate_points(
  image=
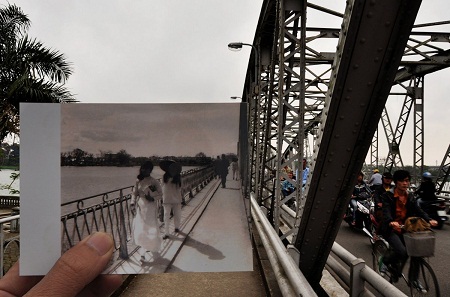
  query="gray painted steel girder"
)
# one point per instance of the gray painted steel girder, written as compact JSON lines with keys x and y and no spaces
{"x":370,"y":49}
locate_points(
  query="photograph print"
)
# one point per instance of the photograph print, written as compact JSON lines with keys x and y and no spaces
{"x":162,"y":179}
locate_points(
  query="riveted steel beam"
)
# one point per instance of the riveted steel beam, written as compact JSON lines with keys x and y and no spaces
{"x":370,"y":49}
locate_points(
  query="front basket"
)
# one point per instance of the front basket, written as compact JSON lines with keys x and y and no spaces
{"x":420,"y":244}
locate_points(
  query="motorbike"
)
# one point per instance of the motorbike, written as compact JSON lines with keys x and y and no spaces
{"x":435,"y":210}
{"x":363,"y":216}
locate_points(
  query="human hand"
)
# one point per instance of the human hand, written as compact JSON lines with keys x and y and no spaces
{"x":133,"y":209}
{"x":433,"y":223}
{"x":396,"y":226}
{"x":76,"y":273}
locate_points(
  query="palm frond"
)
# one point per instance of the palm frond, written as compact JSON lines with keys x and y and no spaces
{"x":27,"y":89}
{"x":13,"y":22}
{"x":42,"y":61}
{"x":29,"y":71}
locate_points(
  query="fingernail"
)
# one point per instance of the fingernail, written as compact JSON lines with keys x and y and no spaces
{"x":101,"y":242}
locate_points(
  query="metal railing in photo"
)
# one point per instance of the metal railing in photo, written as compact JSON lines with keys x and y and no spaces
{"x":9,"y":245}
{"x":110,"y":212}
{"x":9,"y":201}
{"x":196,"y":179}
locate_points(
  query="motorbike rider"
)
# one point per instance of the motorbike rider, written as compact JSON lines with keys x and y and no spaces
{"x":398,"y":205}
{"x":375,"y":180}
{"x":386,"y":185}
{"x":286,"y":187}
{"x":427,"y":188}
{"x":360,"y":191}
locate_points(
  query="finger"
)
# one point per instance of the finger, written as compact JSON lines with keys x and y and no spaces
{"x":77,"y":267}
{"x":103,"y":285}
{"x":14,"y":285}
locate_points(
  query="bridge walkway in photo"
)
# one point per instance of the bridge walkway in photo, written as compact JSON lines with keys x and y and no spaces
{"x":214,"y":242}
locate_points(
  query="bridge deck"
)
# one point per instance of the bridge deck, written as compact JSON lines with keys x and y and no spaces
{"x":214,"y":242}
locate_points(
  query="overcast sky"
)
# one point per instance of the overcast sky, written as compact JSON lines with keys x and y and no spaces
{"x":144,"y":130}
{"x":176,"y":51}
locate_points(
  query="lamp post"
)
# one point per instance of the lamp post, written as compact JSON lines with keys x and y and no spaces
{"x":236,"y":46}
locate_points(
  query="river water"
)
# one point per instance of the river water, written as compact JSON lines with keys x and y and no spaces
{"x":81,"y":182}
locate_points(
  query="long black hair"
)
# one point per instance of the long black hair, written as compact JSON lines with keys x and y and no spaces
{"x":175,"y":179}
{"x":145,"y":170}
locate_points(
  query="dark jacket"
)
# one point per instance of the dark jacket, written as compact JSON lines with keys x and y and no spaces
{"x":223,"y":167}
{"x":389,"y":206}
{"x":361,"y":191}
{"x":427,"y":190}
{"x":377,"y":203}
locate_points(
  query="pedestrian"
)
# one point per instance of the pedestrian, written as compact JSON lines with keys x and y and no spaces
{"x":305,"y":172}
{"x":216,"y":164}
{"x":234,"y":168}
{"x":223,"y":169}
{"x":398,"y":205}
{"x":172,"y":195}
{"x":146,"y":197}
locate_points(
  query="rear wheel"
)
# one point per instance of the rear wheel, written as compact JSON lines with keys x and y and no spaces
{"x":428,"y":280}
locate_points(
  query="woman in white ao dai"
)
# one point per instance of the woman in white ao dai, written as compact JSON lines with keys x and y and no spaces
{"x":146,"y":198}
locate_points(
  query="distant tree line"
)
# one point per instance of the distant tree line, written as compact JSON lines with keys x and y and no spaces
{"x":79,"y":157}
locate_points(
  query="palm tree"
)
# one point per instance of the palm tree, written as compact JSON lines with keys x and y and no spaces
{"x":29,"y":72}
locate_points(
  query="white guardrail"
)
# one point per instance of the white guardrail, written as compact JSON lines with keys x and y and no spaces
{"x":291,"y":280}
{"x":289,"y":277}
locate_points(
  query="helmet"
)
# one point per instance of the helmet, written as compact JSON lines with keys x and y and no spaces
{"x":387,"y":175}
{"x":426,"y":174}
{"x":376,"y":171}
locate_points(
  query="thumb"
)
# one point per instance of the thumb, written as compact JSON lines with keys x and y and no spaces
{"x":77,"y":267}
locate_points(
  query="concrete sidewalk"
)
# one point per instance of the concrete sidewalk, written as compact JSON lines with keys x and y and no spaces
{"x":220,"y":241}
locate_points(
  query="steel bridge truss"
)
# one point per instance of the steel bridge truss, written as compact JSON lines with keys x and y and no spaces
{"x":443,"y":176}
{"x":305,"y":86}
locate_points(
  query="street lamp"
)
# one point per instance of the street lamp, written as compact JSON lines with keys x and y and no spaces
{"x":237,"y":46}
